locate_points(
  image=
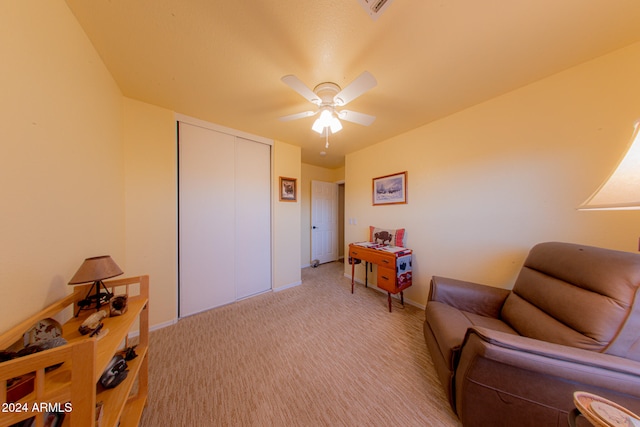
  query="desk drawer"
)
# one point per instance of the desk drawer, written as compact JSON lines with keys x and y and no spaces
{"x":383,"y":259}
{"x":387,"y":279}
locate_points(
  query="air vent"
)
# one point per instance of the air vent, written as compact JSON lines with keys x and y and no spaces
{"x":375,"y":7}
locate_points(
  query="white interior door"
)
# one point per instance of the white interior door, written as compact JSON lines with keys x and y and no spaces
{"x":324,"y":221}
{"x":253,"y":218}
{"x":207,"y":200}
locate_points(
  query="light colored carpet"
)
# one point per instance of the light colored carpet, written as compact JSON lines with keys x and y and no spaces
{"x":312,"y":355}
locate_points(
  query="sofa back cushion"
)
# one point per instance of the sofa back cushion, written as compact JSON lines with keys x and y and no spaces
{"x":577,"y":295}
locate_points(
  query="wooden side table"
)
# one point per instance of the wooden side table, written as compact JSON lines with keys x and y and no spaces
{"x":394,"y":266}
{"x":600,"y":412}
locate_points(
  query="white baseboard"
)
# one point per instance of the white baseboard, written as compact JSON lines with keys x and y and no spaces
{"x":163,"y":324}
{"x":396,"y":296}
{"x":289,"y":286}
{"x":134,"y":334}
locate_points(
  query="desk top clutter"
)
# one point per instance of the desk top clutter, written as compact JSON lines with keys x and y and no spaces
{"x":398,"y":250}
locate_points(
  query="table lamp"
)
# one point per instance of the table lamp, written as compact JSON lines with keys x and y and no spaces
{"x":621,"y":191}
{"x":95,"y":270}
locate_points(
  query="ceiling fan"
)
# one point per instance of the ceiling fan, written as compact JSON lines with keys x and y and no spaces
{"x":329,"y":98}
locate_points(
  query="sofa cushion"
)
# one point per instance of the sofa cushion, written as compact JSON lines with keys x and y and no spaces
{"x":573,"y":295}
{"x":449,"y":326}
{"x":393,"y":237}
{"x":532,"y":322}
{"x":614,"y":274}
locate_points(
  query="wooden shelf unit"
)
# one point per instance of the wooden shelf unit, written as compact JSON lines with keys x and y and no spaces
{"x":84,"y":360}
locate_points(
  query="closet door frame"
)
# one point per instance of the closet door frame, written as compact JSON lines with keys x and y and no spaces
{"x":238,"y":134}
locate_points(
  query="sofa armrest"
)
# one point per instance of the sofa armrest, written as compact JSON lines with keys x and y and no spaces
{"x":555,"y":360}
{"x":467,"y":296}
{"x":503,"y":377}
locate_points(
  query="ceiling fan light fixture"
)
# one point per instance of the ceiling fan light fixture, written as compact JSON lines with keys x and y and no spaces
{"x":335,"y":125}
{"x":317,"y":127}
{"x":327,"y":120}
{"x":325,"y":117}
{"x":330,"y":96}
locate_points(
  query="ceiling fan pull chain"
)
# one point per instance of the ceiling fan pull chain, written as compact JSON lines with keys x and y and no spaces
{"x":326,"y":145}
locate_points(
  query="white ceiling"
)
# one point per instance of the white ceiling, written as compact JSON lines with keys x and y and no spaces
{"x":221,"y":61}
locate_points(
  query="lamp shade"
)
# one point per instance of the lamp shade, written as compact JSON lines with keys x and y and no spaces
{"x":96,"y":269}
{"x":621,"y":191}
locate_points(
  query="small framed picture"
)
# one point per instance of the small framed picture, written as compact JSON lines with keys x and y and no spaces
{"x":288,"y":190}
{"x":390,"y":189}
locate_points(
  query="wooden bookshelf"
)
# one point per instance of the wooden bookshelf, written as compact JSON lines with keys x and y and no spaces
{"x":83,"y":360}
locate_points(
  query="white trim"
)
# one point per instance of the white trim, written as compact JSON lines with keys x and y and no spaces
{"x":396,"y":296}
{"x":223,"y":129}
{"x":163,"y":325}
{"x":134,"y":334}
{"x":290,"y":285}
{"x":256,"y":294}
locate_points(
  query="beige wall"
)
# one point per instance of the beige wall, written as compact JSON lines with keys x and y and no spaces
{"x":61,"y":166}
{"x":92,"y":172}
{"x":312,"y":173}
{"x":151,"y":207}
{"x":151,"y":204}
{"x":486,"y":184}
{"x":286,"y":222}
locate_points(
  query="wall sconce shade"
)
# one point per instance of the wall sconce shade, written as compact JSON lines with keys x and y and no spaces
{"x":621,"y":191}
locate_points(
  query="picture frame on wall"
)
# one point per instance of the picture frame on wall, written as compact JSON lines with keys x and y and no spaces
{"x":288,"y":189}
{"x":390,"y":189}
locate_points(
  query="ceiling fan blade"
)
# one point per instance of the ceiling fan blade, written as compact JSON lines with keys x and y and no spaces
{"x":296,"y":84}
{"x":298,"y":116}
{"x":355,"y":117}
{"x":360,"y":85}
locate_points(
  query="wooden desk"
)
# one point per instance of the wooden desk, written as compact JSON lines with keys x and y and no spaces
{"x":394,"y":268}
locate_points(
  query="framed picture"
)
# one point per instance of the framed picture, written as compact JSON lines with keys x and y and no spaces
{"x":390,"y":189}
{"x":288,"y":191}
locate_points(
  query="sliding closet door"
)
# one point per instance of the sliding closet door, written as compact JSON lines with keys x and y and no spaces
{"x":225,"y":218}
{"x":207,"y":200}
{"x":253,"y":218}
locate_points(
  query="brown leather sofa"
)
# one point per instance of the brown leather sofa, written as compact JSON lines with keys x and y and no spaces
{"x":571,"y":322}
